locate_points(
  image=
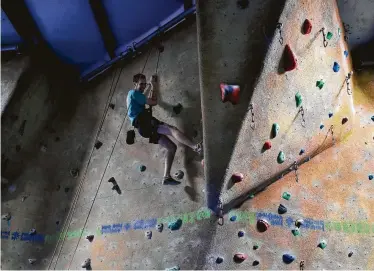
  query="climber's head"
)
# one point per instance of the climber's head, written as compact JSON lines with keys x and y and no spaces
{"x":140,"y":82}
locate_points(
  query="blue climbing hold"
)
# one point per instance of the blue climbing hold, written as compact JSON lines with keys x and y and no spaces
{"x":330,"y":115}
{"x":233,"y":218}
{"x":371,"y":177}
{"x":372,"y":118}
{"x":345,"y":53}
{"x":321,"y":126}
{"x":219,"y":260}
{"x":336,"y":67}
{"x":288,"y":258}
{"x":302,"y":151}
{"x":175,"y":225}
{"x":142,"y":168}
{"x":241,"y":233}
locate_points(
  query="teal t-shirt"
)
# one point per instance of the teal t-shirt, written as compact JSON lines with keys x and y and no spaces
{"x":135,"y":104}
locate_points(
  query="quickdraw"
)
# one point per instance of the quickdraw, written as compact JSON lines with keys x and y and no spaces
{"x":301,"y":110}
{"x":325,"y":42}
{"x":279,"y":27}
{"x":347,"y":80}
{"x":253,"y":124}
{"x":220,"y":214}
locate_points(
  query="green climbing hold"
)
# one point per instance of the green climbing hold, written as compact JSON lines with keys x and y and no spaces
{"x":298,"y":99}
{"x":281,"y":157}
{"x":286,"y":195}
{"x":296,"y":232}
{"x":175,"y":225}
{"x":329,"y":35}
{"x":255,"y":246}
{"x":251,"y":196}
{"x":275,"y":130}
{"x":322,"y":244}
{"x":174,"y":268}
{"x":320,"y":84}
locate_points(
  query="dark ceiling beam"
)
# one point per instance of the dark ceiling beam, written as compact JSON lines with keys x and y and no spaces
{"x":103,"y":23}
{"x":188,"y":4}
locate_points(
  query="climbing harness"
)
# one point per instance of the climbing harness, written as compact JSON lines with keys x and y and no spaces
{"x":347,"y":80}
{"x":279,"y":28}
{"x":253,"y":124}
{"x":325,"y":42}
{"x":220,"y":214}
{"x":301,"y":110}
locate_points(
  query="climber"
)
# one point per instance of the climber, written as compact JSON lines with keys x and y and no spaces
{"x":150,"y":127}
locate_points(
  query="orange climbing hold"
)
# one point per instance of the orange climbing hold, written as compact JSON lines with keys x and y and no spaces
{"x":290,"y":61}
{"x":307,"y":27}
{"x":230,"y":93}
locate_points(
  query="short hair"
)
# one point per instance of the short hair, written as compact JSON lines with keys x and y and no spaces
{"x":137,"y":77}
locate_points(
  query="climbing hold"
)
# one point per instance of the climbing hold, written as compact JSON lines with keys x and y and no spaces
{"x":160,"y":227}
{"x":240,"y":257}
{"x":281,"y":157}
{"x":372,"y":118}
{"x":6,"y":216}
{"x":307,"y":27}
{"x":282,"y":209}
{"x":298,"y":99}
{"x":142,"y":168}
{"x":255,"y":247}
{"x":299,"y":222}
{"x":288,"y":258}
{"x":32,"y":261}
{"x":98,"y":144}
{"x":336,"y":67}
{"x":230,"y":93}
{"x":302,"y":151}
{"x":32,"y":232}
{"x":350,"y":254}
{"x":174,"y":268}
{"x":233,"y":218}
{"x":90,"y":238}
{"x":130,"y":137}
{"x":87,"y":263}
{"x":262,"y":225}
{"x":111,"y":105}
{"x":67,"y":189}
{"x":320,"y":84}
{"x":371,"y":177}
{"x":344,"y":120}
{"x":112,"y":180}
{"x":267,"y":145}
{"x":175,"y":225}
{"x":322,"y":244}
{"x":179,"y":174}
{"x":57,"y":222}
{"x":242,"y":4}
{"x":345,"y":53}
{"x":251,"y":196}
{"x":275,"y":130}
{"x":74,"y":172}
{"x":296,"y":232}
{"x":286,"y":195}
{"x":321,"y":126}
{"x":302,"y":263}
{"x":241,"y":233}
{"x":43,"y":148}
{"x":177,"y":109}
{"x":219,"y":260}
{"x":330,"y":115}
{"x":237,"y":177}
{"x":148,"y":234}
{"x":290,"y":61}
{"x":329,"y":35}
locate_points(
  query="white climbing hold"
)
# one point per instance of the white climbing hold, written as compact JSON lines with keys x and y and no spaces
{"x":148,"y":234}
{"x":174,"y":268}
{"x":6,"y":216}
{"x":86,"y":263}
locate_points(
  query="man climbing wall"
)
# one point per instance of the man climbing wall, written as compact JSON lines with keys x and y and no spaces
{"x":149,"y":127}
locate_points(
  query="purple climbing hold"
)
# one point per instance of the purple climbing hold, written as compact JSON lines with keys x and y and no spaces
{"x":321,"y":126}
{"x":233,"y":218}
{"x":345,"y":53}
{"x":241,"y":233}
{"x":288,"y":258}
{"x":302,"y":151}
{"x":255,"y":263}
{"x":336,"y":67}
{"x":371,"y":177}
{"x":330,"y":115}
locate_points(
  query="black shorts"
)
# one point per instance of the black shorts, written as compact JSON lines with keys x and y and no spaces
{"x":147,"y":126}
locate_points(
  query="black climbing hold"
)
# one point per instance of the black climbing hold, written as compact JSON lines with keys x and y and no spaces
{"x":242,"y":4}
{"x":288,"y":258}
{"x":241,"y":233}
{"x":302,"y":151}
{"x":111,"y":105}
{"x":90,"y":237}
{"x":178,"y":108}
{"x":179,"y":174}
{"x":344,"y":120}
{"x":98,"y":144}
{"x":57,"y":222}
{"x":282,"y":209}
{"x":142,"y":168}
{"x":350,"y":254}
{"x":219,"y":260}
{"x":74,"y":172}
{"x":116,"y":188}
{"x":299,"y":222}
{"x":130,"y":138}
{"x":18,"y":148}
{"x":371,"y":177}
{"x":112,"y":180}
{"x":255,"y":263}
{"x":255,"y":247}
{"x":233,"y":218}
{"x":67,"y":189}
{"x":87,"y":263}
{"x":330,"y":115}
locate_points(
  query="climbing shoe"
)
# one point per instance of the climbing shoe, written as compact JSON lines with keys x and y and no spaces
{"x":170,"y":181}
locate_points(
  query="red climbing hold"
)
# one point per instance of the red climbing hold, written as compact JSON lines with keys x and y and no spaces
{"x":240,"y":257}
{"x":289,"y":59}
{"x":262,"y":225}
{"x":307,"y":27}
{"x":267,"y":145}
{"x":230,"y":93}
{"x":237,"y":177}
{"x":344,"y":120}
